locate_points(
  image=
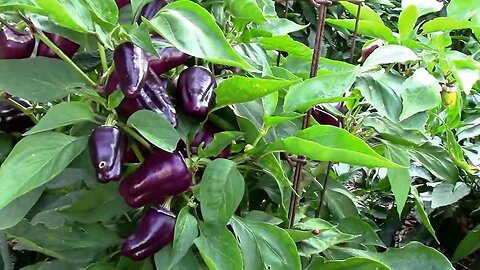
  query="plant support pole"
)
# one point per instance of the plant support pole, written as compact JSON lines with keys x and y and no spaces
{"x":322,"y":12}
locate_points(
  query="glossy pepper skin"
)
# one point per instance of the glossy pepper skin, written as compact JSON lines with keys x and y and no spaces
{"x":122,"y":3}
{"x":195,"y":87}
{"x":153,"y":96}
{"x":367,"y":51}
{"x":169,"y":58}
{"x":67,"y":46}
{"x":131,"y":63}
{"x":155,"y":231}
{"x":107,"y":150}
{"x":12,"y":119}
{"x":162,"y":174}
{"x":206,"y":136}
{"x":150,"y":10}
{"x":15,"y":45}
{"x":323,"y":117}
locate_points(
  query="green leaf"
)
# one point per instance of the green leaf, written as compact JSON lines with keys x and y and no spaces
{"x":51,"y":78}
{"x":463,"y":9}
{"x":436,"y":160}
{"x":79,"y":243}
{"x":380,"y":90}
{"x":265,"y":245}
{"x":126,"y":263}
{"x":72,"y":14}
{"x":164,"y":258}
{"x":218,"y":248}
{"x":406,"y":22}
{"x":140,"y":35}
{"x":389,"y":54}
{"x":348,"y":264}
{"x":456,"y":152}
{"x":97,"y":205}
{"x":422,"y":213}
{"x":179,"y":21}
{"x":155,"y":128}
{"x":286,"y":44}
{"x":115,"y":98}
{"x":414,"y":255}
{"x":221,"y":140}
{"x":469,"y":244}
{"x":17,"y":209}
{"x":63,"y":114}
{"x":220,"y":191}
{"x":322,"y":89}
{"x":366,"y":13}
{"x":464,"y":68}
{"x":54,"y":265}
{"x":19,"y":5}
{"x":328,"y":143}
{"x":105,"y":10}
{"x":100,"y":266}
{"x":339,"y":203}
{"x":246,"y":89}
{"x":399,"y":177}
{"x":186,"y":232}
{"x":356,"y":226}
{"x":421,"y":92}
{"x":367,"y":28}
{"x":446,"y":193}
{"x":424,"y":7}
{"x":34,"y":161}
{"x":280,"y":26}
{"x":245,"y":9}
{"x":445,"y":24}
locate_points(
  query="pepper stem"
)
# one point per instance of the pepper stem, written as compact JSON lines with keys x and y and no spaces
{"x":110,"y":120}
{"x":103,"y":57}
{"x":20,"y":107}
{"x":167,"y":203}
{"x":134,"y":135}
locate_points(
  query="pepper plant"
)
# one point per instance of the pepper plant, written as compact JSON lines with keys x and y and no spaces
{"x":239,"y":134}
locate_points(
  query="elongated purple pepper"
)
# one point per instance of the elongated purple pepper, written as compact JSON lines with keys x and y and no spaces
{"x":15,"y":45}
{"x":206,"y":136}
{"x":162,"y":174}
{"x":323,"y":117}
{"x":169,"y":58}
{"x":131,"y":63}
{"x":107,"y":149}
{"x":195,"y":87}
{"x":155,"y":231}
{"x":67,"y":46}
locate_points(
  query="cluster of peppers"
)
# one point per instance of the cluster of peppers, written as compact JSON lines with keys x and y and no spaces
{"x":20,"y":44}
{"x":163,"y":174}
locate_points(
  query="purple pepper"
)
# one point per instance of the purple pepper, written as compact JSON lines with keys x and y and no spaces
{"x":107,"y":150}
{"x":325,"y":118}
{"x":153,"y":96}
{"x":67,"y":46}
{"x":151,"y":9}
{"x":169,"y":58}
{"x":12,"y":119}
{"x":15,"y":45}
{"x":206,"y":136}
{"x":122,"y":3}
{"x":218,"y":69}
{"x":162,"y":174}
{"x":366,"y":52}
{"x":155,"y":231}
{"x":131,"y":63}
{"x":195,"y":87}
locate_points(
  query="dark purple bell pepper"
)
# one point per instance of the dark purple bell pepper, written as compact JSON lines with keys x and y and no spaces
{"x":162,"y":174}
{"x":122,"y":3}
{"x":156,"y":230}
{"x":151,"y":9}
{"x":131,"y":63}
{"x":218,"y":69}
{"x":12,"y":119}
{"x":325,"y":118}
{"x":15,"y":45}
{"x":206,"y":136}
{"x":367,"y":51}
{"x":169,"y":58}
{"x":107,"y":150}
{"x":128,"y":106}
{"x":67,"y":46}
{"x":195,"y":87}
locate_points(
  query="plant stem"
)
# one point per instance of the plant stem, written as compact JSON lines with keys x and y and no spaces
{"x":59,"y":52}
{"x":7,"y":264}
{"x":19,"y":106}
{"x":134,"y":135}
{"x":220,"y":122}
{"x":103,"y":57}
{"x":355,"y":32}
{"x":324,"y":188}
{"x":322,"y":13}
{"x":137,"y":152}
